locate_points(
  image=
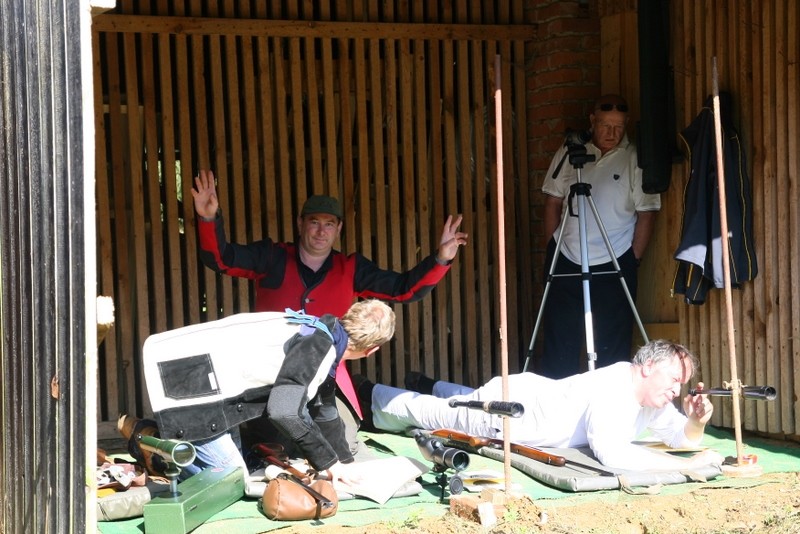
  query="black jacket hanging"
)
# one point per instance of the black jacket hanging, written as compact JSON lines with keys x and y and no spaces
{"x":699,"y":253}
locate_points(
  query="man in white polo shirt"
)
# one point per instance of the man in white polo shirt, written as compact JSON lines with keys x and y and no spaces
{"x":628,"y":216}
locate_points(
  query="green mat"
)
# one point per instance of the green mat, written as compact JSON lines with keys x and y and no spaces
{"x":244,"y":517}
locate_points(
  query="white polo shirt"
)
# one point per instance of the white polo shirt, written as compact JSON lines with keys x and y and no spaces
{"x":616,"y":181}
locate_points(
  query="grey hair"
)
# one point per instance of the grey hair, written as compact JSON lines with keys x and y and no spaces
{"x":661,"y":350}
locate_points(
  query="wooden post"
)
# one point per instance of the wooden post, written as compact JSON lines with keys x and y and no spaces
{"x":723,"y":223}
{"x":501,"y":262}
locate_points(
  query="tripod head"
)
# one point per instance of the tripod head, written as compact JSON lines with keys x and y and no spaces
{"x":578,"y":156}
{"x":575,"y":141}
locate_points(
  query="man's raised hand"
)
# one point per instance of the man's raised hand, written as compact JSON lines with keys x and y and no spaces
{"x":204,"y":192}
{"x":451,"y":239}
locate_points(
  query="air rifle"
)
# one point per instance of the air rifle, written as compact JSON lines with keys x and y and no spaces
{"x":271,"y":456}
{"x":523,"y":450}
{"x":748,"y":392}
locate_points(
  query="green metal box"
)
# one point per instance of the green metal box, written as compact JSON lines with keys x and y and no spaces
{"x":199,"y":497}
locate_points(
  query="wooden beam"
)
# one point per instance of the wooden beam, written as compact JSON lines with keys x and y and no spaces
{"x":301,"y":28}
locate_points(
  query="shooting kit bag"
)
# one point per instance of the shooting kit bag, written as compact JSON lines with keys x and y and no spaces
{"x":288,"y":499}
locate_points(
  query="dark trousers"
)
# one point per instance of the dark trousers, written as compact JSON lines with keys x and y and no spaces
{"x":563,"y":326}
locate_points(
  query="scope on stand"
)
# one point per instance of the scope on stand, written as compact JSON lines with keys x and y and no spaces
{"x":175,"y":453}
{"x":443,"y":458}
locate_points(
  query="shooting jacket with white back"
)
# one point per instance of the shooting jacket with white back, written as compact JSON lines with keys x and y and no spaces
{"x":207,"y":378}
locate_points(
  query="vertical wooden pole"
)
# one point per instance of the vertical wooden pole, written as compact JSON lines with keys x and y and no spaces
{"x":723,"y":224}
{"x":501,"y":255}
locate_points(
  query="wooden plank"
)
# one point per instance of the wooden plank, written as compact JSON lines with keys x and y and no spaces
{"x":407,"y":195}
{"x":153,"y":241}
{"x":297,"y":96}
{"x":394,"y":242}
{"x":466,"y":159}
{"x":423,"y":342}
{"x":108,"y":384}
{"x":362,"y":192}
{"x":213,"y":26}
{"x":314,"y":123}
{"x":254,"y":197}
{"x":525,"y":312}
{"x":282,"y":125}
{"x":378,"y":171}
{"x":455,"y":359}
{"x":791,"y":58}
{"x":191,"y":279}
{"x":228,"y":117}
{"x":219,"y":157}
{"x":172,"y":215}
{"x":437,"y":365}
{"x":346,"y":147}
{"x":137,"y":238}
{"x":480,"y":238}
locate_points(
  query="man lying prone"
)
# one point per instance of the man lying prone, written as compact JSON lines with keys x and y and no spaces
{"x":606,"y":409}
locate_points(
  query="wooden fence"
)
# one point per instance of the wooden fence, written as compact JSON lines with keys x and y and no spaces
{"x":757,"y":49}
{"x":390,"y":111}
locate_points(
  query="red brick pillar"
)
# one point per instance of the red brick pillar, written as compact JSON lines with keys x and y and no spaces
{"x":563,"y":81}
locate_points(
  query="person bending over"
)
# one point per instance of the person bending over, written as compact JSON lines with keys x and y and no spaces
{"x":283,"y":362}
{"x":606,"y":409}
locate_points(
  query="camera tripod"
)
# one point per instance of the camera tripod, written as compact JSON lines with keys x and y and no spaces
{"x":582,"y":193}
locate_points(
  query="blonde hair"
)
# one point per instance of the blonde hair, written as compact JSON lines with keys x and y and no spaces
{"x":368,"y":323}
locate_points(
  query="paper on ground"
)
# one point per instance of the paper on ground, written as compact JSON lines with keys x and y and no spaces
{"x":382,"y":478}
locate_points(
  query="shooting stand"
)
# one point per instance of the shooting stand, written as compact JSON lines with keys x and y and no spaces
{"x":744,"y":466}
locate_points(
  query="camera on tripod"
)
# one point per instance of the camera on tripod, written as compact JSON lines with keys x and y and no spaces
{"x":575,"y":141}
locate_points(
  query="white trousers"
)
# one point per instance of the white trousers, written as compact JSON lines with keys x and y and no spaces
{"x":397,"y":410}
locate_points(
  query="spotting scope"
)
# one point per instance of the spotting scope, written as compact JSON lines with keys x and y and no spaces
{"x":179,"y":453}
{"x":443,"y":457}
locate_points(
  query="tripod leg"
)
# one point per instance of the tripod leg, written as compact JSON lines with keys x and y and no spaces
{"x":586,"y":276}
{"x":539,"y":316}
{"x":617,"y":268}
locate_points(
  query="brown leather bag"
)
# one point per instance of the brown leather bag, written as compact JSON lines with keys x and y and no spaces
{"x":287,"y":498}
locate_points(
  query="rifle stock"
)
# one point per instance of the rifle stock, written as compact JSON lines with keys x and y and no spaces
{"x":270,"y":456}
{"x":522,"y":450}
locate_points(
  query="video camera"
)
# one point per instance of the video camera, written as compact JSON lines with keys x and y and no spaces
{"x":576,"y":137}
{"x":575,"y":141}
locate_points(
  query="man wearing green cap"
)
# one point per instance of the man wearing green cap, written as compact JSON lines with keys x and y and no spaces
{"x":310,"y":275}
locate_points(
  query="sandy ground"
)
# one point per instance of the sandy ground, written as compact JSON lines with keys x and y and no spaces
{"x":770,"y":506}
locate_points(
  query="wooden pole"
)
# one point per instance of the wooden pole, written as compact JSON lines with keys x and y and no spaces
{"x":723,"y":224}
{"x":501,"y":254}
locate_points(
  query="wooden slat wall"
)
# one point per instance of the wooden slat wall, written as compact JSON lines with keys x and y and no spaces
{"x":757,"y":48}
{"x":398,"y":128}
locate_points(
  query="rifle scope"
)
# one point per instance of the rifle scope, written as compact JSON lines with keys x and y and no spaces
{"x":748,"y":392}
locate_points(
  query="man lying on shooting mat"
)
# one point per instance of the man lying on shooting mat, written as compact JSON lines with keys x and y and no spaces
{"x":606,"y":409}
{"x":206,"y":379}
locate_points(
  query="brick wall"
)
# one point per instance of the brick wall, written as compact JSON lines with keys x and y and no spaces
{"x":563,"y":81}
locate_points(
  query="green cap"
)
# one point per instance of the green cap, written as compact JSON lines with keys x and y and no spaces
{"x":322,"y":204}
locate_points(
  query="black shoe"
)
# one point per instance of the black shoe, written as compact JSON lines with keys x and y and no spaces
{"x":363,"y":388}
{"x":416,"y":381}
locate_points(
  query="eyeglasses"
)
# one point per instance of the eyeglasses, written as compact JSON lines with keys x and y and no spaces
{"x":608,"y":107}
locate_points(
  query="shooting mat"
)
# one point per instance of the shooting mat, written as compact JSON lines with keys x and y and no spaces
{"x":596,"y":476}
